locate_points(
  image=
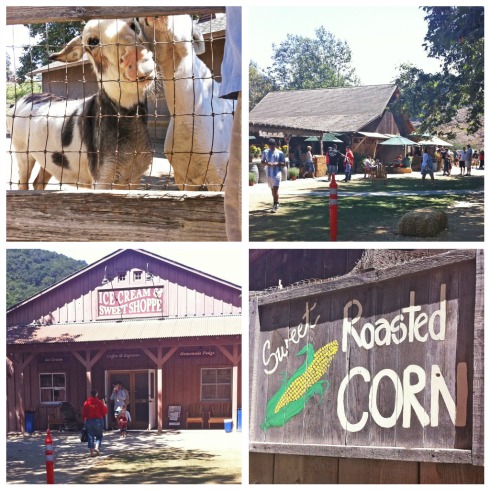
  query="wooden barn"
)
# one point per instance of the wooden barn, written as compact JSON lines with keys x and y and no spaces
{"x":366,"y":366}
{"x":360,"y":116}
{"x":169,"y":333}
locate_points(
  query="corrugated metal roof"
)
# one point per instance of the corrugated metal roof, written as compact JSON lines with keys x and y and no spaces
{"x":342,"y":109}
{"x":218,"y":24}
{"x":125,"y":330}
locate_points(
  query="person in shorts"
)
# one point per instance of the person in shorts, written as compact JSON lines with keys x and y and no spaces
{"x":334,"y":157}
{"x":462,"y":162}
{"x":274,"y":161}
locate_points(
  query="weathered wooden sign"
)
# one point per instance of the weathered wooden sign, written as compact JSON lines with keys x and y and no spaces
{"x":380,"y":363}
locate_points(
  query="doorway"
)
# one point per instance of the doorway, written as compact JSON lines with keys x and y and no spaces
{"x":140,"y":385}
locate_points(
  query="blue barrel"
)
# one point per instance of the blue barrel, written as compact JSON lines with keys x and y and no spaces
{"x":228,"y":425}
{"x":239,"y":420}
{"x":30,"y":421}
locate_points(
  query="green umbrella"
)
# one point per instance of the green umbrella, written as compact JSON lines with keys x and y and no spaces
{"x":398,"y":141}
{"x":328,"y":137}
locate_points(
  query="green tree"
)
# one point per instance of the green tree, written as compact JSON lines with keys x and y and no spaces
{"x":455,"y":35}
{"x":50,"y":37}
{"x":260,"y":84}
{"x":31,"y":271}
{"x":303,"y":63}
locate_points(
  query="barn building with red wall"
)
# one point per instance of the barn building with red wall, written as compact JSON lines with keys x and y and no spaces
{"x":169,"y":333}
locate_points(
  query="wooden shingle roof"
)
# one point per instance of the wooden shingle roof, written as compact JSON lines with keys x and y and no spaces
{"x":345,"y":109}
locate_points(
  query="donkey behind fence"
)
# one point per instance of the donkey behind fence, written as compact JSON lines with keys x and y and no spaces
{"x":101,"y":141}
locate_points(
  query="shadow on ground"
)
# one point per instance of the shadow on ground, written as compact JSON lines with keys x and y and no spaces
{"x":177,"y":456}
{"x":360,"y":218}
{"x":164,"y":466}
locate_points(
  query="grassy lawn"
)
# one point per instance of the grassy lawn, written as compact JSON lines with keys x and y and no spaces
{"x":371,"y":218}
{"x":163,"y":466}
{"x":475,"y":182}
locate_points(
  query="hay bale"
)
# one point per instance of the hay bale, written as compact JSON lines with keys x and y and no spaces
{"x":422,"y":223}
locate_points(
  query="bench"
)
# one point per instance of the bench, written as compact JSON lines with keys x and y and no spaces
{"x":194,"y":415}
{"x":218,"y":412}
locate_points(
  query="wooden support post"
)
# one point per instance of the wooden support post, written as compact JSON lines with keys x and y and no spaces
{"x":19,"y":384}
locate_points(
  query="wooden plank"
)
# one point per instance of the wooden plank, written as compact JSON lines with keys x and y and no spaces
{"x":294,"y":430}
{"x":115,"y":216}
{"x":389,"y":300}
{"x":478,"y":365}
{"x":356,"y":397}
{"x":464,"y":352}
{"x":261,"y":468}
{"x":317,"y":470}
{"x":420,"y":266}
{"x":291,"y":469}
{"x":369,"y":452}
{"x":288,"y":468}
{"x":367,"y":471}
{"x":450,"y":473}
{"x":274,"y":381}
{"x":30,"y":15}
{"x":441,"y":356}
{"x":319,"y":412}
{"x":259,"y":389}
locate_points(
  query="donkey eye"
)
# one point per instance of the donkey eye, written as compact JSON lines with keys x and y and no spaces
{"x":133,"y":26}
{"x":93,"y":41}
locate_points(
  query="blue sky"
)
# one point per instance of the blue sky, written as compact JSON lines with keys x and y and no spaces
{"x":380,"y":37}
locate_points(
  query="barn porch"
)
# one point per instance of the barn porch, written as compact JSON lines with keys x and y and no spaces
{"x":159,"y":370}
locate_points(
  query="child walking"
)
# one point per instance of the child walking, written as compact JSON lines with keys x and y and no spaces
{"x":122,"y":419}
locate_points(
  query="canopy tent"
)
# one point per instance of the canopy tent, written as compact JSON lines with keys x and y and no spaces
{"x":398,"y":141}
{"x":434,"y":141}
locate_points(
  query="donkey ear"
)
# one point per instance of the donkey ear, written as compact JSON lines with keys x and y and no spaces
{"x":198,"y":41}
{"x":73,"y":51}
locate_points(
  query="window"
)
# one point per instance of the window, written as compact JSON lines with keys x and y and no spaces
{"x":53,"y":387}
{"x":216,"y":384}
{"x":121,"y":276}
{"x":137,"y":275}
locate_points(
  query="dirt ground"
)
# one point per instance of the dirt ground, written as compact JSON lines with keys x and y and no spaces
{"x":177,"y":456}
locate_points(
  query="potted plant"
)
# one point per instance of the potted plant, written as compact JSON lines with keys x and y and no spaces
{"x":252,"y":178}
{"x":251,"y":153}
{"x":293,"y":173}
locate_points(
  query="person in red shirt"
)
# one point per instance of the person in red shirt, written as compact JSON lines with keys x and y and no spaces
{"x":349,"y":163}
{"x":93,"y":413}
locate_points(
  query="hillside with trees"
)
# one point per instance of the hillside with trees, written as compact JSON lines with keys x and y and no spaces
{"x":31,"y":271}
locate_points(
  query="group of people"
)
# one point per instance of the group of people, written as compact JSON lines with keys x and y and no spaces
{"x":94,"y":411}
{"x":274,"y":160}
{"x":466,"y":157}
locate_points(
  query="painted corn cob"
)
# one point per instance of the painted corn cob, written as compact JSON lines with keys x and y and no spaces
{"x":296,"y":391}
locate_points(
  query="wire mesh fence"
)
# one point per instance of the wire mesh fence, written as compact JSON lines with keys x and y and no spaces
{"x":118,"y":104}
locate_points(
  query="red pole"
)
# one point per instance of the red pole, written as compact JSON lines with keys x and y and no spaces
{"x":333,"y":209}
{"x":49,"y":458}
